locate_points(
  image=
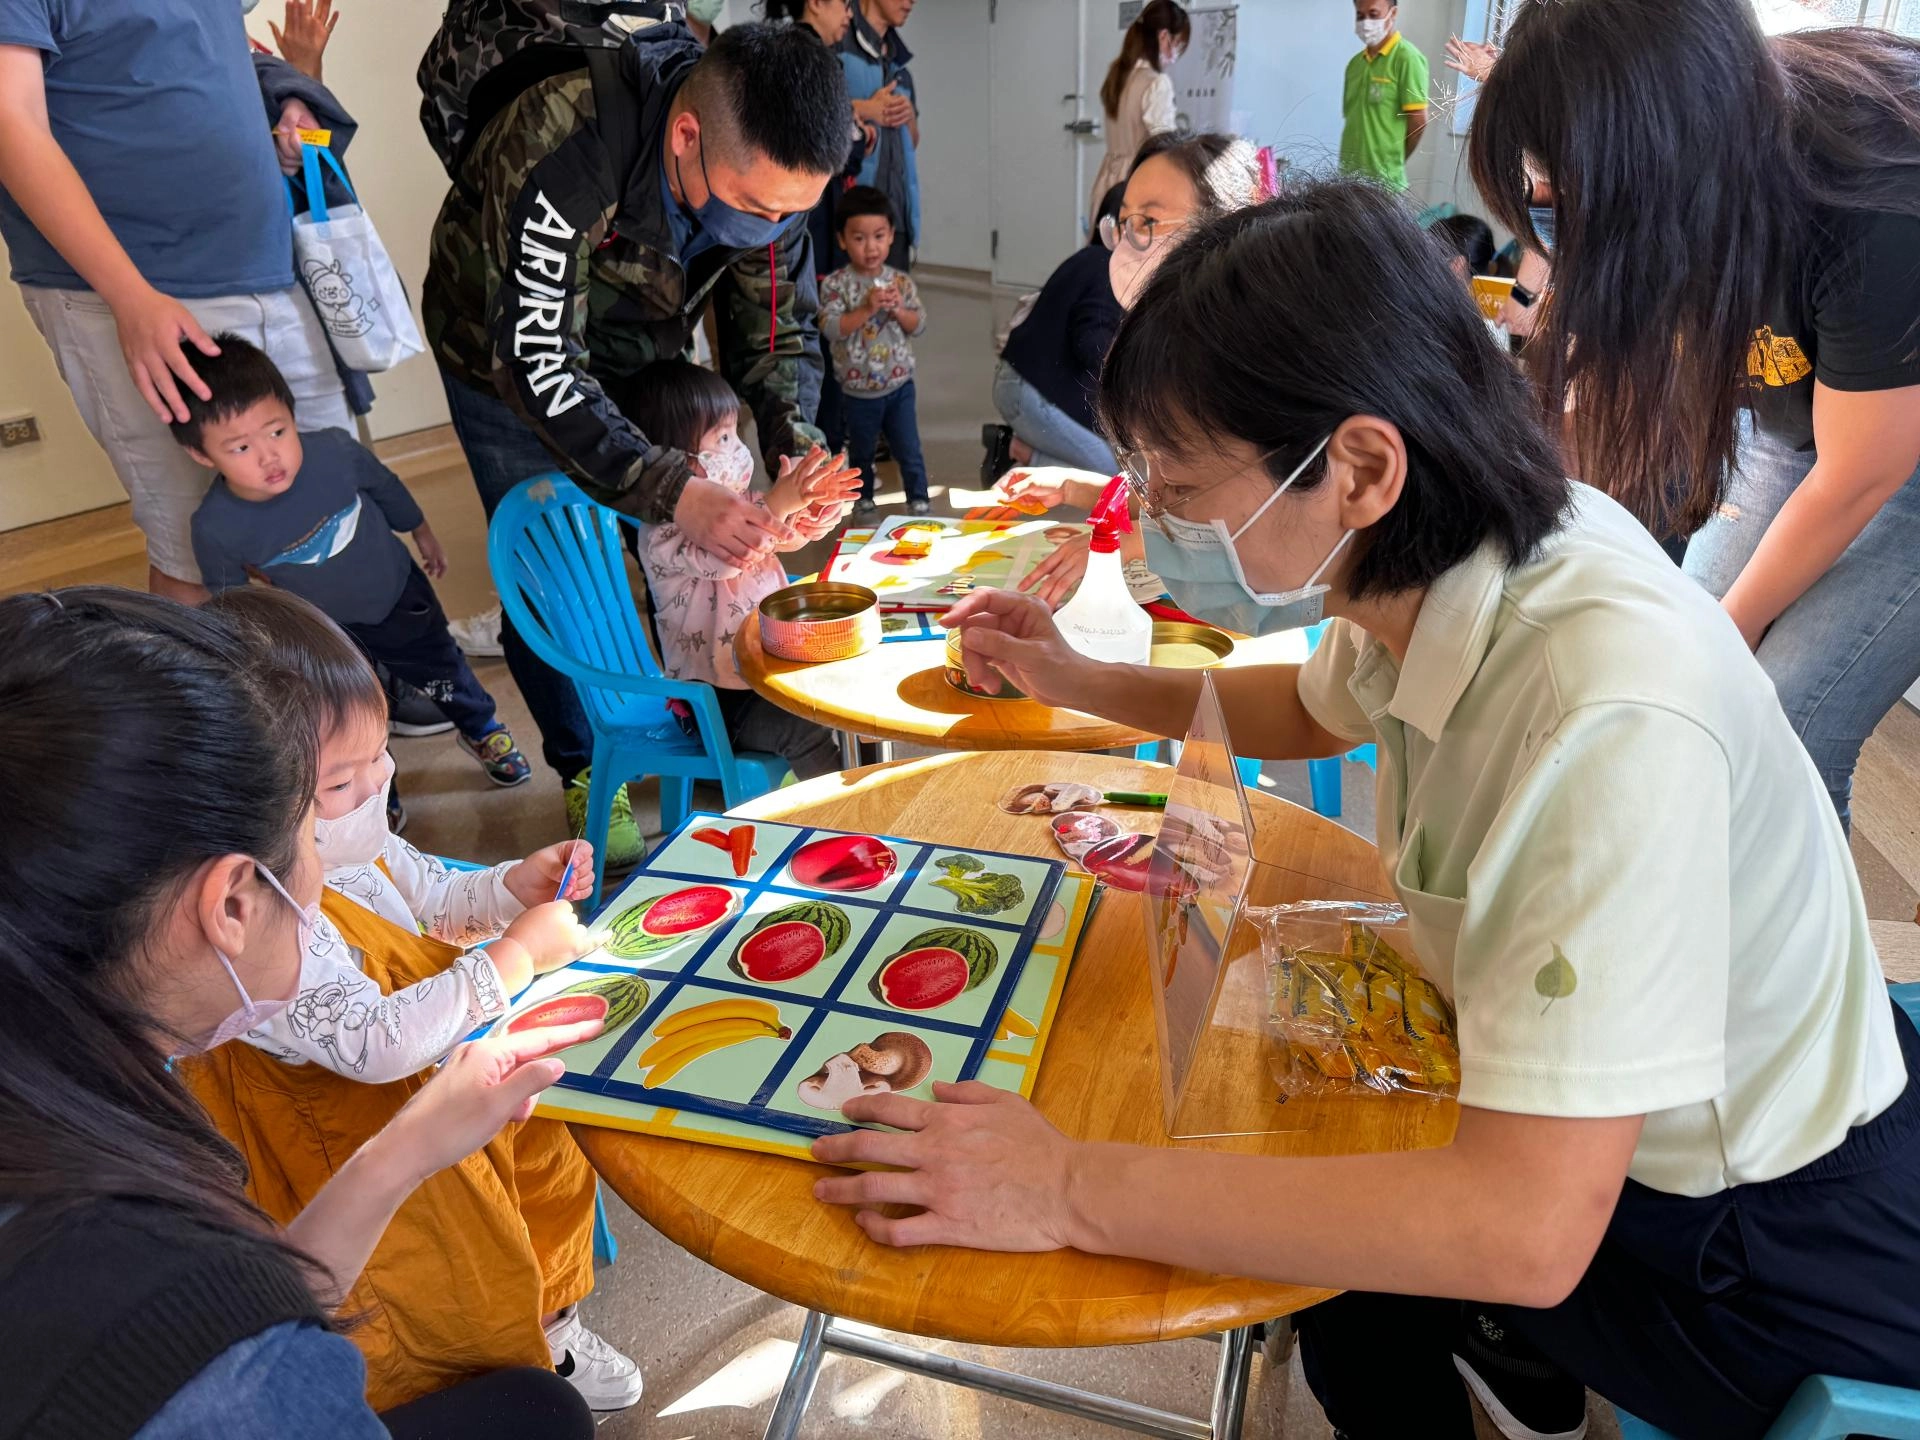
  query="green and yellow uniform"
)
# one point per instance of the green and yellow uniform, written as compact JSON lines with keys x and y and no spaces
{"x":1383,"y":93}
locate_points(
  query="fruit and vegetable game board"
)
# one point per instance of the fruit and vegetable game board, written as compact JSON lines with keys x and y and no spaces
{"x":755,"y":975}
{"x":928,"y":563}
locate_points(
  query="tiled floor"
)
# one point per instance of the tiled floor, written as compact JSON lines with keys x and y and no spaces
{"x":715,"y":1351}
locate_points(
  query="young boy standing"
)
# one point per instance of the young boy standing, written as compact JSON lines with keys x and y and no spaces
{"x":315,"y":515}
{"x":867,"y":311}
{"x":1384,"y":100}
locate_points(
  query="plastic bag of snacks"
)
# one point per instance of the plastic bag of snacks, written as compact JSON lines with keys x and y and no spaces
{"x":1347,"y":1007}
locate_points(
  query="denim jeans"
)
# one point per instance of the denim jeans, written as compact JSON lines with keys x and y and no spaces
{"x":1844,"y":653}
{"x":1056,"y":437}
{"x":501,"y":452}
{"x":868,"y":417}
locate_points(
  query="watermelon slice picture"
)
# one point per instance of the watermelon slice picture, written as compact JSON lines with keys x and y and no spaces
{"x":790,"y":942}
{"x":665,"y":920}
{"x":935,"y":968}
{"x":560,"y":1010}
{"x":844,"y":862}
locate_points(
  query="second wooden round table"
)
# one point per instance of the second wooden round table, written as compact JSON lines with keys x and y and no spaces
{"x":754,"y":1216}
{"x":899,"y":691}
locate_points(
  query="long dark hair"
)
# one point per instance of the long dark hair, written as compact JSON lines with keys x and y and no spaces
{"x":1689,"y":158}
{"x":1224,"y":169}
{"x":109,"y":693}
{"x":1142,"y":42}
{"x":1234,"y":337}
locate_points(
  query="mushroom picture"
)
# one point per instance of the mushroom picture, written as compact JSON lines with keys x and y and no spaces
{"x":897,"y":1060}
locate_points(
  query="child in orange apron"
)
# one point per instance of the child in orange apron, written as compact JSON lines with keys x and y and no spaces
{"x":484,"y":1266}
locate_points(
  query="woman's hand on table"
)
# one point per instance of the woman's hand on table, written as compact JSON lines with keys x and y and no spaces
{"x":985,"y":1167}
{"x":1005,"y":633}
{"x":1053,"y":579}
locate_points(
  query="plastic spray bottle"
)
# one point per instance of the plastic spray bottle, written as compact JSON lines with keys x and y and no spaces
{"x":1102,"y":621}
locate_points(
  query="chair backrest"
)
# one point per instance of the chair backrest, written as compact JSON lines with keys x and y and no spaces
{"x":561,"y":572}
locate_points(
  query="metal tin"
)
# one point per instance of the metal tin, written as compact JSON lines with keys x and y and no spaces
{"x":957,"y":675}
{"x":820,"y":620}
{"x":1168,"y":633}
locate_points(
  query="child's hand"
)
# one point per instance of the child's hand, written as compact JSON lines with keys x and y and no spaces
{"x":884,"y":297}
{"x":551,"y":934}
{"x":535,"y":879}
{"x":815,"y":523}
{"x":825,"y":479}
{"x":433,"y":559}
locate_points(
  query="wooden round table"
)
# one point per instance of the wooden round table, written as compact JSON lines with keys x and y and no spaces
{"x":899,"y":691}
{"x":754,"y":1216}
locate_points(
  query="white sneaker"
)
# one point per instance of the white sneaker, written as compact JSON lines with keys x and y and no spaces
{"x":478,"y":635}
{"x":605,"y":1378}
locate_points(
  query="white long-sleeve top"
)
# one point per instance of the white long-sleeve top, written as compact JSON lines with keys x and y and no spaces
{"x":340,"y":1019}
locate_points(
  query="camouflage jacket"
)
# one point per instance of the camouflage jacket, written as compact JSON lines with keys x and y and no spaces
{"x":552,"y":279}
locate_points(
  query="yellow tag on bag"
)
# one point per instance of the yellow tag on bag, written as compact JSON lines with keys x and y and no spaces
{"x":315,"y":137}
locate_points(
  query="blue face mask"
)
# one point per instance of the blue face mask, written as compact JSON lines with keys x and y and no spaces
{"x":1202,"y":571}
{"x":727,"y":227}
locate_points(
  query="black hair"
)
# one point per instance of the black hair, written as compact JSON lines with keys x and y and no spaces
{"x":1233,"y":337}
{"x":861,"y":200}
{"x":1467,"y":236}
{"x":776,"y":91}
{"x":240,"y":376}
{"x":1142,"y":42}
{"x":1224,"y":169}
{"x":1695,"y":165}
{"x":1110,"y":204}
{"x":675,"y":402}
{"x":107,"y":692}
{"x":324,"y":675}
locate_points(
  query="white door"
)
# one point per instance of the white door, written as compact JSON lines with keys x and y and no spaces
{"x":1042,"y":126}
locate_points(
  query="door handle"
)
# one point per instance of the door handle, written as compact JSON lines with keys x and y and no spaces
{"x":1081,"y":127}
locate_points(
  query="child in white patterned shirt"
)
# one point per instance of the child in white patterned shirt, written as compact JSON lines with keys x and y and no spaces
{"x":700,"y":598}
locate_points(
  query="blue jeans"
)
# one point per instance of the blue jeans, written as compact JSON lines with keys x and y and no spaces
{"x":1845,"y":652}
{"x":501,"y":452}
{"x":1056,"y":437}
{"x":867,"y":418}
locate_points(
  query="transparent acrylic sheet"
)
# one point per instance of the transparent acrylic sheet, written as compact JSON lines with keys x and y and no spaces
{"x":1210,"y":986}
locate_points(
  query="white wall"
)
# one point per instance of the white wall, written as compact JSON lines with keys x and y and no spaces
{"x":952,"y":48}
{"x":65,"y":472}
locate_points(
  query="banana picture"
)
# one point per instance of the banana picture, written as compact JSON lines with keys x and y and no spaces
{"x":685,"y":1037}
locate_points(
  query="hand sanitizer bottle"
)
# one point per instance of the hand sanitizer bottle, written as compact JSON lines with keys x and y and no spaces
{"x":1102,"y":621}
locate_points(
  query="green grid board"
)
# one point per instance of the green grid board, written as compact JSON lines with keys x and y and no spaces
{"x":830,"y":1008}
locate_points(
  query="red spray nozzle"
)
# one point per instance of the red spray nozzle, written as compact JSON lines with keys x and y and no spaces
{"x":1109,"y":517}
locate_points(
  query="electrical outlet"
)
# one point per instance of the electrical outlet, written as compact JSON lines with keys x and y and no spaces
{"x":18,"y":430}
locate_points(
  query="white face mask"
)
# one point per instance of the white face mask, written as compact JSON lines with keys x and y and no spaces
{"x":252,"y":1013}
{"x":1372,"y":32}
{"x":729,"y":463}
{"x":360,"y":836}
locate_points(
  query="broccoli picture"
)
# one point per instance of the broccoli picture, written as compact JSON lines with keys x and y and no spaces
{"x":978,"y":891}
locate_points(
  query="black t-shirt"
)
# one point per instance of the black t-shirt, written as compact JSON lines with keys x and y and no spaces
{"x":1849,"y":318}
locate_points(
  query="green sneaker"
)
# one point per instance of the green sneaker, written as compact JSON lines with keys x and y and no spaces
{"x":625,"y":847}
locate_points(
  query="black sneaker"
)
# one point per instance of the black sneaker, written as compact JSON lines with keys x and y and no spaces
{"x":998,"y":440}
{"x":411,"y":713}
{"x":1525,"y":1395}
{"x":919,"y":507}
{"x":864,"y":509}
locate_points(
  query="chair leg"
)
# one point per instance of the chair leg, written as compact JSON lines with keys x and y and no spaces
{"x":676,"y":800}
{"x":1324,"y":777}
{"x":607,"y":778}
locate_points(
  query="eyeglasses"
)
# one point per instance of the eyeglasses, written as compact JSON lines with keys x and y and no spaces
{"x":1139,"y":231}
{"x":1139,"y":476}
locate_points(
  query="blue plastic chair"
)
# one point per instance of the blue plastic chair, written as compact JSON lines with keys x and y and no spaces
{"x":1824,"y":1408}
{"x":558,"y":564}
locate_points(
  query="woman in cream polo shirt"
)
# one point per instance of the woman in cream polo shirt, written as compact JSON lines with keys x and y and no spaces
{"x":1689,"y":1183}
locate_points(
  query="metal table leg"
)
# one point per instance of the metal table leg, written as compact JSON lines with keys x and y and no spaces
{"x":791,"y":1407}
{"x":849,"y":750}
{"x":821,"y":1333}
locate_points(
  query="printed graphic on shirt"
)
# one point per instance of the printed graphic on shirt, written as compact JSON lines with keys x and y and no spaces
{"x":1776,"y":360}
{"x":543,"y":283}
{"x":325,"y":540}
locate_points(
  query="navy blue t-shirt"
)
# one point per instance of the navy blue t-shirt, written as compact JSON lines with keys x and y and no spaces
{"x":156,"y":104}
{"x":328,"y":537}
